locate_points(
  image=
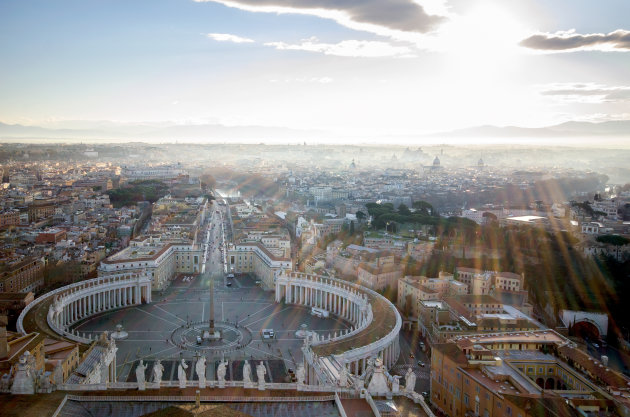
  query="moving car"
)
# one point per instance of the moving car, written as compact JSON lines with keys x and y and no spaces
{"x":268,"y":334}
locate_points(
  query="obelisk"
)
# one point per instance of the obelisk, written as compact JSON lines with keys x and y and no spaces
{"x":211,"y":333}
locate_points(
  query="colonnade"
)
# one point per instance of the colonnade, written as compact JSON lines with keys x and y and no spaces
{"x":336,"y":300}
{"x":69,"y":304}
{"x":85,"y":302}
{"x":354,"y":304}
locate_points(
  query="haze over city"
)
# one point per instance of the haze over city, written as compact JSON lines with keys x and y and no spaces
{"x":314,"y":208}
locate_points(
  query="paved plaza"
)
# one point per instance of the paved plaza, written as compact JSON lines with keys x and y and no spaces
{"x":166,"y":329}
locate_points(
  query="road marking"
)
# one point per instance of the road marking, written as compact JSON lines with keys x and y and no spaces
{"x":269,"y":316}
{"x":158,"y":317}
{"x":253,"y":314}
{"x":139,"y":340}
{"x":168,"y":312}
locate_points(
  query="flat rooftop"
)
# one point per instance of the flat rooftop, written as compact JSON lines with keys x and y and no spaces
{"x":138,"y":253}
{"x":540,"y":336}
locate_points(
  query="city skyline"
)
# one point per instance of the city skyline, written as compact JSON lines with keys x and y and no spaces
{"x":352,"y":69}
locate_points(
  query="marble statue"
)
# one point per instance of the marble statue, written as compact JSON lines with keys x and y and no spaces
{"x":140,"y":372}
{"x":57,"y":376}
{"x":247,"y":375}
{"x":300,"y":374}
{"x":5,"y":383}
{"x":200,"y":368}
{"x":343,"y":375}
{"x":410,"y":381}
{"x":379,"y":381}
{"x":44,"y":383}
{"x":23,"y":380}
{"x":221,"y":372}
{"x":158,"y":371}
{"x":181,"y":373}
{"x":396,"y":383}
{"x":261,"y":371}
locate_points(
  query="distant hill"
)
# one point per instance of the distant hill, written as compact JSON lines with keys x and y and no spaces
{"x":612,"y":128}
{"x":106,"y":131}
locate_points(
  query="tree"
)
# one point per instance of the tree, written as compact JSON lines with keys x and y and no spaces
{"x":208,"y":181}
{"x":360,"y":216}
{"x":404,"y":210}
{"x":615,"y":240}
{"x":423,"y":207}
{"x":352,"y":227}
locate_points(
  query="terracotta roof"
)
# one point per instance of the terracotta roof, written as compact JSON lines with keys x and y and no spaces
{"x":596,"y":368}
{"x":452,"y":351}
{"x":543,"y":406}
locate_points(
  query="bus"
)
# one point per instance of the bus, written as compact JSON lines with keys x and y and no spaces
{"x":319,"y":312}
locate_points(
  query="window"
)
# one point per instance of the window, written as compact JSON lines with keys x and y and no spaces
{"x":508,"y":410}
{"x":466,"y":399}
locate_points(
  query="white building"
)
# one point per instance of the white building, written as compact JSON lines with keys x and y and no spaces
{"x":162,"y":261}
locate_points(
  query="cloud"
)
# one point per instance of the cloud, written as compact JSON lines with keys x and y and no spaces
{"x":396,"y":15}
{"x":226,"y":37}
{"x":347,"y":48}
{"x":603,"y":117}
{"x":569,"y":41}
{"x":318,"y":80}
{"x":588,"y":93}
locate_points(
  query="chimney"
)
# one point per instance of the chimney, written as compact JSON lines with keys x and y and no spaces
{"x":4,"y":343}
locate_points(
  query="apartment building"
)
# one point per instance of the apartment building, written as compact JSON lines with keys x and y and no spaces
{"x":162,"y":260}
{"x":255,"y":258}
{"x":379,"y":277}
{"x":511,"y":374}
{"x":22,"y":274}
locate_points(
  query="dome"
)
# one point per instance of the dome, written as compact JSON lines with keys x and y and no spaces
{"x":480,"y":162}
{"x":436,"y":162}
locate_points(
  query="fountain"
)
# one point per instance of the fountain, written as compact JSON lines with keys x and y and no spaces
{"x":119,"y":334}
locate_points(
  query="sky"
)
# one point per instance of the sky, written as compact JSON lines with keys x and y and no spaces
{"x":347,"y":66}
